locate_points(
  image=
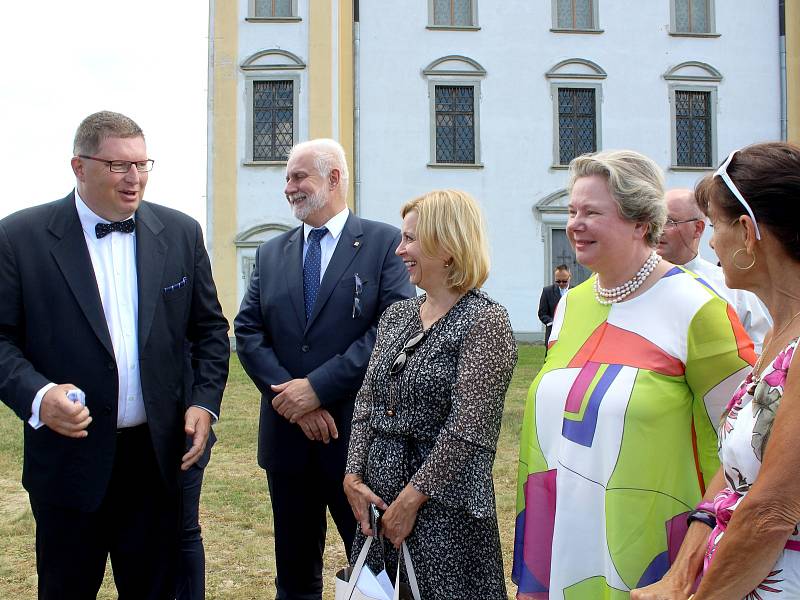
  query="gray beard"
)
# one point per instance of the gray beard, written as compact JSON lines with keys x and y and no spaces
{"x":313,"y":203}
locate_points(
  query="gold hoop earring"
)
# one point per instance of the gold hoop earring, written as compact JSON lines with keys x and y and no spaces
{"x":750,"y":266}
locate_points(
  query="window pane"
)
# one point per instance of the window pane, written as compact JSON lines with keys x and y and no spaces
{"x":583,"y":14}
{"x":273,"y":119}
{"x":682,"y":15}
{"x":693,"y":128}
{"x":455,"y":124}
{"x":273,"y":8}
{"x":452,"y":12}
{"x":564,"y":14}
{"x":577,"y":123}
{"x":699,"y":16}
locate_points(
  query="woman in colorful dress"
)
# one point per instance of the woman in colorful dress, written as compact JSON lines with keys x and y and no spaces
{"x":744,"y":536}
{"x":428,"y":415}
{"x":618,"y":439}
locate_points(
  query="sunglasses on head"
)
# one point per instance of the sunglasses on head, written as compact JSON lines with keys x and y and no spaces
{"x":722,"y":173}
{"x":408,"y":349}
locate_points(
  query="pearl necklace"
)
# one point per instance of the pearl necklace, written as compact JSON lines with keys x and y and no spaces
{"x":613,"y":295}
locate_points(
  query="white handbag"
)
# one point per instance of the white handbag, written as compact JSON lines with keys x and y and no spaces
{"x":360,"y":583}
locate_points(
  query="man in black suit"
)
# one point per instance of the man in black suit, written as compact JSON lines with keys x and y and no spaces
{"x":551,"y":295}
{"x":102,"y":294}
{"x":304,"y":334}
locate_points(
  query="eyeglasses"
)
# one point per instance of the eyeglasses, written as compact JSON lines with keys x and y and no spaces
{"x":673,"y":223}
{"x":408,"y":349}
{"x":560,"y":281}
{"x":123,"y":166}
{"x":359,"y":287}
{"x":722,"y":173}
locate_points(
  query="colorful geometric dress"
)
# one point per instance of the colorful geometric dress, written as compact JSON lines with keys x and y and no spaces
{"x":619,"y":436}
{"x":743,"y":437}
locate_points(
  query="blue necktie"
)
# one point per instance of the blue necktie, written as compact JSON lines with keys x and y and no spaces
{"x":312,"y":267}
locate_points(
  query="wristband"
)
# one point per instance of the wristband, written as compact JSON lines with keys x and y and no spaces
{"x":703,"y":517}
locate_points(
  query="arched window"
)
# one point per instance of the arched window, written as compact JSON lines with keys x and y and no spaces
{"x":272,"y":87}
{"x":577,"y":95}
{"x":454,"y":91}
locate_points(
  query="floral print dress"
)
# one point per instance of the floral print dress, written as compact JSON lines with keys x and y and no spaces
{"x":743,"y":435}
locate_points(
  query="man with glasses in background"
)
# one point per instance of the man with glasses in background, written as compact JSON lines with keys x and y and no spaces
{"x":551,"y":295}
{"x":304,"y":334}
{"x":680,"y":244}
{"x":107,"y":309}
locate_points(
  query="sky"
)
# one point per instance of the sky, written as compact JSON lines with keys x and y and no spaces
{"x":65,"y":60}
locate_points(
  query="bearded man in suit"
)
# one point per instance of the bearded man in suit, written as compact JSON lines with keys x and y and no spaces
{"x":105,"y":300}
{"x":304,"y":334}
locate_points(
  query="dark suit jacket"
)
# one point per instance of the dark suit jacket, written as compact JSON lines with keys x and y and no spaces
{"x":52,"y":329}
{"x":551,"y":295}
{"x":332,"y":349}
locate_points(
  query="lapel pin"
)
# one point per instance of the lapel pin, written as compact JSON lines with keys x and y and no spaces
{"x":356,"y":244}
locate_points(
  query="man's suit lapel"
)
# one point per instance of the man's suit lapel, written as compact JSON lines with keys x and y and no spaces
{"x":293,"y":267}
{"x":151,"y":254}
{"x":72,"y":257}
{"x":346,"y":249}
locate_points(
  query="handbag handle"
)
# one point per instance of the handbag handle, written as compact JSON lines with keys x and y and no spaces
{"x":362,"y":558}
{"x":412,"y":577}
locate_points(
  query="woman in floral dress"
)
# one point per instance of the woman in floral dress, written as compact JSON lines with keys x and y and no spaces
{"x":428,"y":415}
{"x":744,"y":536}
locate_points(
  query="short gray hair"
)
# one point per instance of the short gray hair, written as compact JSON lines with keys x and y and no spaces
{"x":328,"y":155}
{"x":101,"y":125}
{"x":635,"y":182}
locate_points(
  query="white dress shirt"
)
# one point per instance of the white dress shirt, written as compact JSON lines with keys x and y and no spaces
{"x":752,"y":313}
{"x":328,"y":242}
{"x":114,"y":262}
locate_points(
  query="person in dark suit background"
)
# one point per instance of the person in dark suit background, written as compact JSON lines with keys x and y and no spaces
{"x":551,"y":295}
{"x":304,"y":334}
{"x":102,"y":292}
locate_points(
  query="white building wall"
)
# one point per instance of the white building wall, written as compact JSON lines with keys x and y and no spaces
{"x":516,"y":47}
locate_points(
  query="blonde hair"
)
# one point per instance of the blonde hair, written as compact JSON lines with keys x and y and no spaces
{"x":635,"y":182}
{"x":451,"y":221}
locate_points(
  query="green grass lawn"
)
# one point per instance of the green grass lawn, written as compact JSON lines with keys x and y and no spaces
{"x":235,"y":513}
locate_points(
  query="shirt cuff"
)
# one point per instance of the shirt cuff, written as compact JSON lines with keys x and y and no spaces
{"x":214,"y":417}
{"x":34,"y":421}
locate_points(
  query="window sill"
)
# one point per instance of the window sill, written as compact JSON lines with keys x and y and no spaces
{"x":688,"y":168}
{"x":273,"y":19}
{"x":453,"y":27}
{"x":693,"y":34}
{"x":565,"y":30}
{"x":559,"y":167}
{"x":264,"y":163}
{"x":455,"y":165}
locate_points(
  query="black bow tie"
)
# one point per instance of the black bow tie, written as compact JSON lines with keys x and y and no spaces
{"x":101,"y":230}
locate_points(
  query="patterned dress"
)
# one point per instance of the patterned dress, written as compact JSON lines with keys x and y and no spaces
{"x":743,"y":436}
{"x":619,"y":437}
{"x":435,"y":424}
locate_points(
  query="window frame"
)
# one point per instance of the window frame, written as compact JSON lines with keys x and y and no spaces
{"x":432,"y":21}
{"x":252,"y":18}
{"x":673,"y":132}
{"x":476,"y":93}
{"x":711,"y":18}
{"x":595,"y":28}
{"x":249,"y":81}
{"x":598,"y":101}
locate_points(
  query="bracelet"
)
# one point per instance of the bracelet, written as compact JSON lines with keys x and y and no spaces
{"x":703,"y":517}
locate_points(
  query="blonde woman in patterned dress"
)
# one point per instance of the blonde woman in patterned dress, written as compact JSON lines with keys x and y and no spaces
{"x":428,"y":415}
{"x":745,"y":540}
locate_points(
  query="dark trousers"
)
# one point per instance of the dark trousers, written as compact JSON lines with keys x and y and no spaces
{"x":299,"y":501}
{"x":191,"y":578}
{"x":136,"y":525}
